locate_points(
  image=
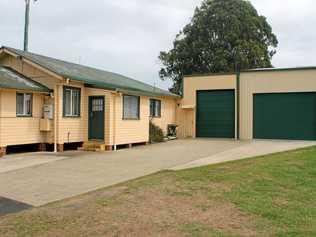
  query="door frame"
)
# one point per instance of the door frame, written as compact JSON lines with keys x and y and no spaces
{"x":90,"y":98}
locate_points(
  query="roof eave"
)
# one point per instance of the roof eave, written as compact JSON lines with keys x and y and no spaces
{"x":25,"y":89}
{"x":34,"y":63}
{"x":279,"y":69}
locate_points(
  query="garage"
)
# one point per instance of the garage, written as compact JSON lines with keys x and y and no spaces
{"x":285,"y":116}
{"x":215,"y":115}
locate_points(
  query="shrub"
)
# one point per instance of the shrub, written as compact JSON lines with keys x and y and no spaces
{"x":155,"y":133}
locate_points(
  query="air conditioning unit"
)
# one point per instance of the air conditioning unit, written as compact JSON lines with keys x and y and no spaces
{"x":48,"y":111}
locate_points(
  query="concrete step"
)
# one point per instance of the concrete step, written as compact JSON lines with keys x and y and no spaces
{"x":93,"y":146}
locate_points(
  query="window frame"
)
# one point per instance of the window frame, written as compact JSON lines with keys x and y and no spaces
{"x":152,"y":112}
{"x":24,"y":115}
{"x":71,"y":115}
{"x":138,"y":110}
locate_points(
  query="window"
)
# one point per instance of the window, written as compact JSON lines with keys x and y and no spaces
{"x":23,"y":105}
{"x":155,"y":108}
{"x":71,"y":101}
{"x":97,"y":105}
{"x":130,"y":107}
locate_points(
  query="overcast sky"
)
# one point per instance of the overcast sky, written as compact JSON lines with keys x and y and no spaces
{"x":126,"y":36}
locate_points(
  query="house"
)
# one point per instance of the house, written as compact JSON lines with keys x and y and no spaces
{"x":48,"y":101}
{"x":274,"y":103}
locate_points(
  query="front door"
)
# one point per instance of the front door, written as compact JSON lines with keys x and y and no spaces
{"x":96,"y":118}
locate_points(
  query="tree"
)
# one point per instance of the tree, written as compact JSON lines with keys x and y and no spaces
{"x":222,"y":35}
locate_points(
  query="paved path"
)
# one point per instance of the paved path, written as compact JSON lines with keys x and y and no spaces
{"x":253,"y":149}
{"x":80,"y":172}
{"x":15,"y":162}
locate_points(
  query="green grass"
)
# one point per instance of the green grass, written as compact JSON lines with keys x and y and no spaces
{"x":273,"y":195}
{"x":280,"y":188}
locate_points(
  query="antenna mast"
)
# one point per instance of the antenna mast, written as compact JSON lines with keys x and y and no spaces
{"x":27,"y":22}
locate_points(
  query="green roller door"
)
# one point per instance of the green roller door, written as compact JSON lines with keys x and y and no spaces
{"x":285,"y":116}
{"x":215,"y":115}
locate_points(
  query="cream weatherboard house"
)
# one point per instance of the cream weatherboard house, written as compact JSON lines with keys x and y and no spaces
{"x":48,"y":101}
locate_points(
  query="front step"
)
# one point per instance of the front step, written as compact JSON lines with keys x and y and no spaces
{"x":93,"y":146}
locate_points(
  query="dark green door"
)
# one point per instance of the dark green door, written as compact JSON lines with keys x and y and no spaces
{"x":215,"y":116}
{"x":96,"y":118}
{"x":285,"y":116}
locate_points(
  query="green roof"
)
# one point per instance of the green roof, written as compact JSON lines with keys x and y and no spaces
{"x":90,"y":76}
{"x":11,"y":79}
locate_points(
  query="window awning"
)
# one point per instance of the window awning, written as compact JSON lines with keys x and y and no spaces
{"x":10,"y":79}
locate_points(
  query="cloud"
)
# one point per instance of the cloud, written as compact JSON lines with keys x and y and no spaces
{"x":126,"y":36}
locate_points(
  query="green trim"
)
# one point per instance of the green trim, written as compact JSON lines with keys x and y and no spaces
{"x":90,"y":131}
{"x":64,"y":102}
{"x":138,"y":118}
{"x":144,"y":93}
{"x":238,"y":103}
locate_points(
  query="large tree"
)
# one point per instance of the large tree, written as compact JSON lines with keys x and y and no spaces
{"x":222,"y":35}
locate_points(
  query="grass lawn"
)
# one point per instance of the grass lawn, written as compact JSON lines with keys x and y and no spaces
{"x":267,"y":196}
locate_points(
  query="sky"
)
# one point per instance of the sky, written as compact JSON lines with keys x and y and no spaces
{"x":126,"y":36}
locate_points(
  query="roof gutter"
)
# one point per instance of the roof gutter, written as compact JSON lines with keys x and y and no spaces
{"x":26,"y":90}
{"x":143,"y":93}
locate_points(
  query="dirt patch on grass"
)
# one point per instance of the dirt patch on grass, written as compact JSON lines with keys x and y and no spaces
{"x":136,"y":211}
{"x":151,"y":212}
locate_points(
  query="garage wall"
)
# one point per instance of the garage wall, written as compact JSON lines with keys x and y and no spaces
{"x":186,"y":114}
{"x":269,"y":82}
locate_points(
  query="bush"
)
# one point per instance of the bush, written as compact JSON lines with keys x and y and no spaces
{"x":155,"y":133}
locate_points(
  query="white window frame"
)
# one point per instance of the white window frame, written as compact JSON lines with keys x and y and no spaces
{"x":71,"y":113}
{"x":153,"y":111}
{"x":24,"y":108}
{"x":126,"y":117}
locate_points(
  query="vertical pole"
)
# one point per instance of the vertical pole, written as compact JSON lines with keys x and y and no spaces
{"x":55,"y":118}
{"x":238,"y":105}
{"x":26,"y":28}
{"x":114,"y":121}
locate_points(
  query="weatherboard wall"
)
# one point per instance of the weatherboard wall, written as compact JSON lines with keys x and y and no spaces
{"x":19,"y":130}
{"x":168,"y":114}
{"x":269,"y":82}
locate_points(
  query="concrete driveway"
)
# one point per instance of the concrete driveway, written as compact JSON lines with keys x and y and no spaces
{"x":73,"y":173}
